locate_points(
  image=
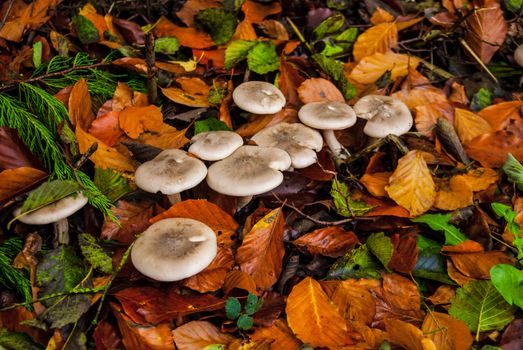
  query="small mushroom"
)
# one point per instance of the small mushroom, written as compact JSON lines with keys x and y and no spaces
{"x":174,"y":249}
{"x":258,"y":97}
{"x":215,"y":145}
{"x":329,"y":116}
{"x":518,"y":55}
{"x":250,"y":170}
{"x":170,"y":172}
{"x":300,"y":141}
{"x":386,"y":115}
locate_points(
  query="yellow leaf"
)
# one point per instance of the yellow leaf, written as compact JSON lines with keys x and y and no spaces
{"x":408,"y":23}
{"x":453,"y":194}
{"x":411,"y":184}
{"x":407,"y":335}
{"x":372,"y":67}
{"x":197,"y":335}
{"x":167,"y":137}
{"x":313,"y":317}
{"x":380,"y":38}
{"x":79,"y":105}
{"x":279,"y":334}
{"x":135,"y":120}
{"x":381,"y":16}
{"x":193,"y":92}
{"x":480,"y":179}
{"x":469,"y":125}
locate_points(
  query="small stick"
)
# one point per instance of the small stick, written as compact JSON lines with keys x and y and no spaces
{"x":150,"y":58}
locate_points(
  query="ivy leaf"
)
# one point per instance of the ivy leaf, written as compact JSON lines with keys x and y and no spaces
{"x":94,"y":253}
{"x":209,"y":124}
{"x":218,"y":22}
{"x":49,"y":192}
{"x":514,"y":171}
{"x":245,"y":322}
{"x":508,"y":280}
{"x":481,"y":99}
{"x":237,"y":51}
{"x":344,"y":204}
{"x":358,"y":263}
{"x":166,"y":45}
{"x":263,"y":58}
{"x":253,"y":304}
{"x":233,"y":308}
{"x":87,"y":32}
{"x":509,"y":215}
{"x":440,"y":222}
{"x":17,"y":341}
{"x":481,"y":307}
{"x":330,"y":25}
{"x":381,"y":246}
{"x":111,"y":183}
{"x":334,"y":69}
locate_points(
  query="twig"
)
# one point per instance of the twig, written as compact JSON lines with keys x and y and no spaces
{"x":299,"y":35}
{"x":477,"y":58}
{"x":9,"y":8}
{"x":150,"y":58}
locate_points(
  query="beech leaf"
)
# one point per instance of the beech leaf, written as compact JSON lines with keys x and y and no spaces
{"x":379,"y":38}
{"x":508,"y":281}
{"x":262,"y":58}
{"x":16,"y":181}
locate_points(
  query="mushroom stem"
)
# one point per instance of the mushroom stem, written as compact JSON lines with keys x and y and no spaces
{"x":61,"y":232}
{"x":242,"y":201}
{"x":334,"y":145}
{"x":174,"y":198}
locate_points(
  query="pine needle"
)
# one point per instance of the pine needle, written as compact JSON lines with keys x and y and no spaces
{"x":10,"y":277}
{"x":50,"y":110}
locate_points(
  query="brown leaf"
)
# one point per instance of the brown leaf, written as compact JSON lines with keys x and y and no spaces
{"x":274,"y":29}
{"x":279,"y":334}
{"x":17,"y":181}
{"x":80,"y":109}
{"x":13,"y":151}
{"x":407,"y":335}
{"x":187,"y":36}
{"x":453,"y":194}
{"x":411,"y":184}
{"x":401,"y":292}
{"x":136,"y":120}
{"x":133,"y":219}
{"x":478,"y":265}
{"x":258,"y":122}
{"x":379,"y":38}
{"x":24,"y":16}
{"x":469,"y":125}
{"x":331,"y":241}
{"x":319,"y":89}
{"x":447,"y":333}
{"x":313,"y":317}
{"x":497,"y":115}
{"x":405,"y":253}
{"x":486,"y":30}
{"x":376,"y":183}
{"x":289,"y":81}
{"x":237,"y":279}
{"x":261,"y":252}
{"x":256,"y":12}
{"x":105,"y":337}
{"x":456,"y":275}
{"x":443,"y":295}
{"x":106,"y":128}
{"x":192,"y":7}
{"x":322,"y":170}
{"x":372,"y":67}
{"x":426,"y":116}
{"x":197,"y":335}
{"x":132,"y":32}
{"x":513,"y":335}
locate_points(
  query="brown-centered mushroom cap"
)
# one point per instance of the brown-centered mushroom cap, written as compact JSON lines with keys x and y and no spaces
{"x":327,"y":115}
{"x":53,"y":212}
{"x":258,"y":97}
{"x":215,"y":145}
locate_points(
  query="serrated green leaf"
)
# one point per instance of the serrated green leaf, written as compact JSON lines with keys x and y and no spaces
{"x":334,"y":69}
{"x":253,"y":304}
{"x":209,"y":124}
{"x":329,"y":25}
{"x":233,"y":308}
{"x":263,"y":58}
{"x":87,"y":32}
{"x":481,"y":99}
{"x":49,"y":192}
{"x":37,"y":54}
{"x":514,"y":171}
{"x":481,"y":307}
{"x":17,"y":341}
{"x":94,"y":253}
{"x":440,"y":222}
{"x":237,"y":51}
{"x":218,"y":22}
{"x":111,"y":183}
{"x":358,"y":263}
{"x":381,"y":246}
{"x":343,"y":202}
{"x":508,"y":281}
{"x":166,"y":45}
{"x":245,"y":322}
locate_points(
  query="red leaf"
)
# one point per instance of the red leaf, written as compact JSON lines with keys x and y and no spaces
{"x":405,"y":254}
{"x":331,"y":241}
{"x":106,"y":128}
{"x":133,"y":219}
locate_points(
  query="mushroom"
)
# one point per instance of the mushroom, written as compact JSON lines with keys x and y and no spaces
{"x":215,"y":145}
{"x":329,"y":116}
{"x":258,"y":97}
{"x":170,"y":172}
{"x":386,"y":115}
{"x":174,"y":249}
{"x":300,"y":141}
{"x":55,"y":213}
{"x":518,"y":55}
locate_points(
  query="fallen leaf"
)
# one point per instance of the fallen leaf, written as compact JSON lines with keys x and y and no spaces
{"x":166,"y":138}
{"x":426,"y":116}
{"x":97,"y":20}
{"x":376,"y":183}
{"x":133,"y":219}
{"x":136,"y":120}
{"x":106,"y":128}
{"x":319,"y":89}
{"x":215,"y":58}
{"x":407,"y":335}
{"x":379,"y":38}
{"x":453,"y":194}
{"x":274,"y":29}
{"x":372,"y":67}
{"x":17,"y":181}
{"x":79,"y":105}
{"x":245,"y":31}
{"x":261,"y":252}
{"x":480,"y":179}
{"x":313,"y":317}
{"x":258,"y":122}
{"x":279,"y":335}
{"x":24,"y":16}
{"x":14,"y":153}
{"x":197,"y":335}
{"x":381,"y":16}
{"x":193,"y":92}
{"x":446,"y":332}
{"x":411,"y":184}
{"x":401,"y":292}
{"x":256,"y":12}
{"x":187,"y":36}
{"x":237,"y":279}
{"x":331,"y":241}
{"x":469,"y":125}
{"x":443,"y":295}
{"x":478,"y":265}
{"x":458,"y":94}
{"x":290,"y":79}
{"x":192,"y":7}
{"x":498,"y":114}
{"x":404,"y":254}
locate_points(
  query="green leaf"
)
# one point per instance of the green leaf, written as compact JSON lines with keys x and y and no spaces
{"x":490,"y":347}
{"x":440,"y":222}
{"x":17,"y":341}
{"x":358,"y":263}
{"x":334,"y":69}
{"x":331,"y":48}
{"x":347,"y":38}
{"x":508,"y":280}
{"x":328,"y":26}
{"x":514,"y":171}
{"x":481,"y":307}
{"x":509,"y":215}
{"x":253,"y":304}
{"x":381,"y":246}
{"x":37,"y":54}
{"x":209,"y":124}
{"x":216,"y":94}
{"x":49,"y":192}
{"x":237,"y":51}
{"x":233,"y":308}
{"x":481,"y":99}
{"x":218,"y":22}
{"x":344,"y":204}
{"x":111,"y":183}
{"x":431,"y":264}
{"x":338,"y":4}
{"x":245,"y":322}
{"x":94,"y":253}
{"x":514,"y":5}
{"x":11,"y":278}
{"x":216,"y":347}
{"x":87,"y":32}
{"x":263,"y":58}
{"x":166,"y":45}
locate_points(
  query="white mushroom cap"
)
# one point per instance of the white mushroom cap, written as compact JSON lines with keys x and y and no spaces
{"x":300,"y":141}
{"x":215,"y":145}
{"x":172,"y":171}
{"x":248,"y":171}
{"x":327,"y":115}
{"x":174,"y":249}
{"x":518,"y":55}
{"x":258,"y":97}
{"x":53,"y":212}
{"x":386,"y":115}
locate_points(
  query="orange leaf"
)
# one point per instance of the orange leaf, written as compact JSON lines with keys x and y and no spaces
{"x":19,"y":180}
{"x":380,"y":38}
{"x":133,"y":219}
{"x":381,"y":16}
{"x":106,"y":128}
{"x":279,"y":334}
{"x":376,"y":183}
{"x":469,"y":125}
{"x":187,"y":36}
{"x":98,"y":21}
{"x":167,"y":137}
{"x":443,"y":295}
{"x":192,"y":7}
{"x":22,"y":16}
{"x":426,"y":116}
{"x":313,"y":317}
{"x":122,"y":97}
{"x":480,"y":179}
{"x":447,"y":333}
{"x":79,"y":107}
{"x":331,"y":241}
{"x":258,"y":122}
{"x":133,"y":63}
{"x":216,"y":58}
{"x":411,"y":184}
{"x":256,"y":12}
{"x":420,"y":95}
{"x":193,"y":92}
{"x":372,"y":67}
{"x":499,"y":113}
{"x":319,"y":89}
{"x":245,"y":31}
{"x":458,"y":94}
{"x":261,"y":252}
{"x":407,"y":335}
{"x":453,"y":194}
{"x":478,"y":265}
{"x":408,"y":23}
{"x":104,"y":156}
{"x":135,"y":120}
{"x":290,"y":79}
{"x":463,"y":248}
{"x":197,"y":335}
{"x":237,"y":279}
